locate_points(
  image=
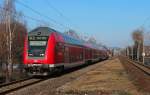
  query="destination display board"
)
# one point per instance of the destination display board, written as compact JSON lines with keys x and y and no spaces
{"x":37,"y":38}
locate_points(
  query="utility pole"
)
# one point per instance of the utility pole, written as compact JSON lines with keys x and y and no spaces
{"x":132,"y":49}
{"x":138,"y":51}
{"x":143,"y":51}
{"x":9,"y":8}
{"x":127,"y":54}
{"x":143,"y":54}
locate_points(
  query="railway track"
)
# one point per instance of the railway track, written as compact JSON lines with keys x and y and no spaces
{"x":142,"y":67}
{"x":10,"y":87}
{"x":13,"y":82}
{"x":17,"y":85}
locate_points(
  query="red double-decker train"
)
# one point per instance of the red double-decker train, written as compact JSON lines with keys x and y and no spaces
{"x":47,"y":50}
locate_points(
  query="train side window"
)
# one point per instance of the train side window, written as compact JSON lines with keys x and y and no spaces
{"x":66,"y":49}
{"x":60,"y":46}
{"x":80,"y":57}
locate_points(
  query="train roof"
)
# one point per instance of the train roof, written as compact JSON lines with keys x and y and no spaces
{"x":41,"y":31}
{"x":72,"y":40}
{"x":46,"y":31}
{"x":90,"y":45}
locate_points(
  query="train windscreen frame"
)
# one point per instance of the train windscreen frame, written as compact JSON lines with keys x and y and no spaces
{"x":37,"y":46}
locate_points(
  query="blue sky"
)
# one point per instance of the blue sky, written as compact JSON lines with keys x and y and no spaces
{"x":109,"y":21}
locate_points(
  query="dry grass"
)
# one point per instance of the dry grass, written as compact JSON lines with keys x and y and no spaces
{"x":110,"y":77}
{"x":139,"y":78}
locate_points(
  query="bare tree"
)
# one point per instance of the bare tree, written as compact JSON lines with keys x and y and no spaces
{"x":92,"y":40}
{"x":137,"y":36}
{"x":13,"y":32}
{"x":72,"y":33}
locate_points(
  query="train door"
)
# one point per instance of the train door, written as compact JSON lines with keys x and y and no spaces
{"x":82,"y":54}
{"x":59,"y":53}
{"x":66,"y":55}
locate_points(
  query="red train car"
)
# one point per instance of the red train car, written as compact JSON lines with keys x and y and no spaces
{"x":47,"y":50}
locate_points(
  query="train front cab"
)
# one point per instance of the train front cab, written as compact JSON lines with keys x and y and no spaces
{"x":39,"y":52}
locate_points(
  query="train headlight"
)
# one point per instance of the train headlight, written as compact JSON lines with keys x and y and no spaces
{"x":41,"y":54}
{"x":29,"y":65}
{"x":30,"y":54}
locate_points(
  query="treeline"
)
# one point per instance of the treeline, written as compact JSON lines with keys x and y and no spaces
{"x":11,"y":22}
{"x":135,"y":51}
{"x":18,"y":36}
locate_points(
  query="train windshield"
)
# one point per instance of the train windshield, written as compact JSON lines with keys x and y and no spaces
{"x":37,"y":46}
